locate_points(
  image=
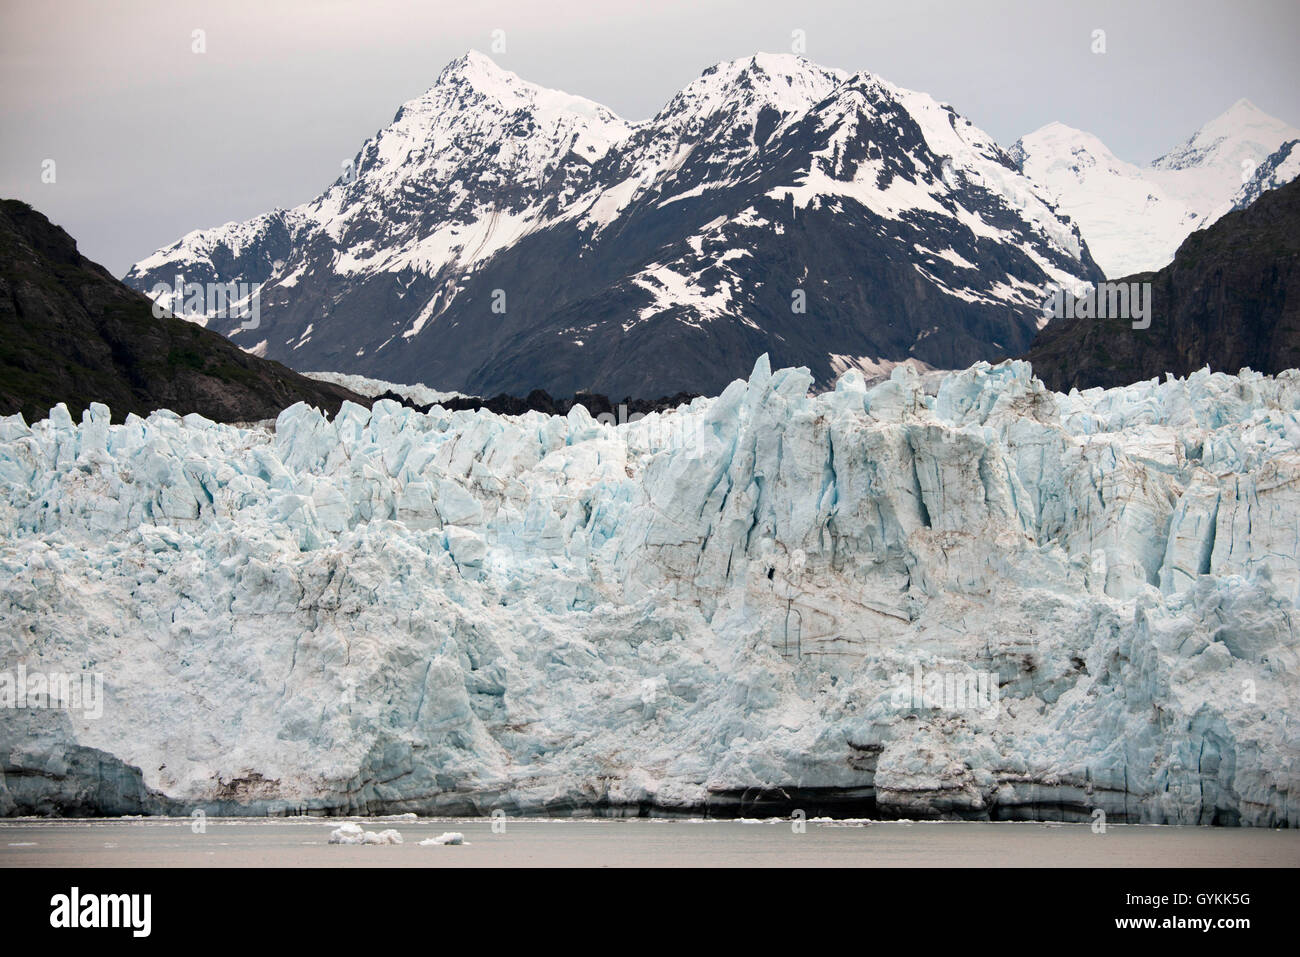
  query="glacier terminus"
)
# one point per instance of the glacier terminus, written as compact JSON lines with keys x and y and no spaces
{"x":707,"y":610}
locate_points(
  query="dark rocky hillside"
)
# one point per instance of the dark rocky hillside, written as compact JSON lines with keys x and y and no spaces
{"x":70,"y":332}
{"x":1229,"y":300}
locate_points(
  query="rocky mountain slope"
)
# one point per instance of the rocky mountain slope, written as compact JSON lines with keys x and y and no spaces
{"x":499,"y":237}
{"x":1229,"y":300}
{"x":71,"y":333}
{"x":1281,"y":167}
{"x":764,"y":601}
{"x":1134,"y":217}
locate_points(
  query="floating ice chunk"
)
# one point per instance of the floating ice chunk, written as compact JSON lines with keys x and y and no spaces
{"x":354,"y":834}
{"x":447,"y":837}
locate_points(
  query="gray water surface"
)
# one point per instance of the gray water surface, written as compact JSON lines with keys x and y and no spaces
{"x":244,"y":842}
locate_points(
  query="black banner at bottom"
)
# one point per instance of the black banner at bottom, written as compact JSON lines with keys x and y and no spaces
{"x":332,"y":905}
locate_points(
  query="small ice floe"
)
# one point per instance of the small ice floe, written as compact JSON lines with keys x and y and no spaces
{"x":354,"y":834}
{"x":839,"y":822}
{"x":447,"y":837}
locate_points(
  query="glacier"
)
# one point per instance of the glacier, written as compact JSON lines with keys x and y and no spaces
{"x":706,"y":610}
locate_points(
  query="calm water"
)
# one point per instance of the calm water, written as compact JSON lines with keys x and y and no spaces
{"x":612,"y":843}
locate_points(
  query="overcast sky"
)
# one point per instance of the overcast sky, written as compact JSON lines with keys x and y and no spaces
{"x":151,"y":140}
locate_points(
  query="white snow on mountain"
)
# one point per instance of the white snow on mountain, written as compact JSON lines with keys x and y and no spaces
{"x":1134,"y":218}
{"x":970,"y":153}
{"x":1130,"y":223}
{"x":484,"y":160}
{"x":736,"y":107}
{"x":1220,"y":156}
{"x":479,"y":160}
{"x":717,"y":114}
{"x":418,"y":393}
{"x":198,"y":246}
{"x":1279,"y":169}
{"x":437,"y":142}
{"x":395,"y":611}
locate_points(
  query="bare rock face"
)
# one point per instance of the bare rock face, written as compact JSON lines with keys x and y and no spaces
{"x":964,"y":598}
{"x":73,"y":334}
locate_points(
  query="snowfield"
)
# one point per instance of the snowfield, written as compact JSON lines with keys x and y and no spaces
{"x":456,"y":612}
{"x":1134,"y":217}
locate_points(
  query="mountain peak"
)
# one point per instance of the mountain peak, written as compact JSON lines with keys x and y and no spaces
{"x":1243,"y":118}
{"x":1229,"y":161}
{"x":1241,"y":132}
{"x":777,"y":64}
{"x":788,"y":83}
{"x":1243,"y":105}
{"x":1061,"y":141}
{"x":474,"y":62}
{"x":481,"y":72}
{"x":1057,"y":129}
{"x":773,"y":70}
{"x":766,"y":173}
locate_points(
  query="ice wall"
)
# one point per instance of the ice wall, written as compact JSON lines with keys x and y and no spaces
{"x":763,"y":600}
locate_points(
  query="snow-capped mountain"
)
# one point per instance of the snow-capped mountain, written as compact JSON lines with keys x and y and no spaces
{"x":460,"y":173}
{"x":1222,"y":154}
{"x":502,"y":237}
{"x":74,"y":335}
{"x":1135,"y":217}
{"x":1130,"y":222}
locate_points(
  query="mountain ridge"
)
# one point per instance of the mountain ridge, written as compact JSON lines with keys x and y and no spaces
{"x":684,"y":239}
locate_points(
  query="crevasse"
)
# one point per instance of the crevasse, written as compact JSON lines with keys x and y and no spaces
{"x":706,"y":609}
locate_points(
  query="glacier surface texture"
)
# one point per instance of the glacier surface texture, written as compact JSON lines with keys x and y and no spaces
{"x":762,"y":601}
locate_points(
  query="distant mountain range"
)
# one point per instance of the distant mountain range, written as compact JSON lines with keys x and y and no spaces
{"x":1134,"y":217}
{"x":1229,"y":300}
{"x":501,"y":237}
{"x":71,"y":333}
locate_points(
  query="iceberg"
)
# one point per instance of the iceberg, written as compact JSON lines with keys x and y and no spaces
{"x":355,"y":834}
{"x":720,"y":609}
